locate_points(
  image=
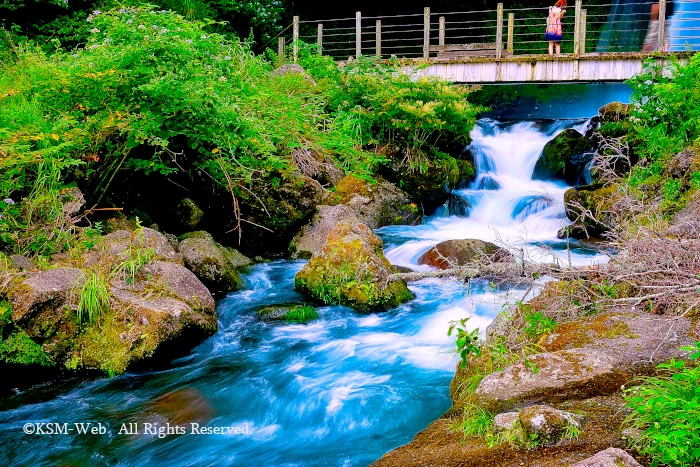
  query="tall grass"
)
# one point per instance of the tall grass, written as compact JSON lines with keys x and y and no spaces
{"x":94,"y":298}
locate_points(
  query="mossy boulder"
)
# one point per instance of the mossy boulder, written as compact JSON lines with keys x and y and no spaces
{"x":273,"y":210}
{"x":429,"y":180}
{"x":615,"y":112}
{"x":376,"y":203}
{"x":351,"y":270}
{"x":188,"y":214}
{"x":292,"y":312}
{"x":161,"y":309}
{"x":313,"y":235}
{"x":564,"y":157}
{"x":453,"y":253}
{"x":213,"y":263}
{"x":591,"y":209}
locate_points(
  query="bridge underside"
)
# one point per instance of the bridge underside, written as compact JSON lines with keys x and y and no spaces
{"x":592,"y":67}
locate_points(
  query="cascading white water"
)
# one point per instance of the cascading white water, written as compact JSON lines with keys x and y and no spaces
{"x":505,"y":204}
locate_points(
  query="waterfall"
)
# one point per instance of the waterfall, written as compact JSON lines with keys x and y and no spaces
{"x":505,"y":204}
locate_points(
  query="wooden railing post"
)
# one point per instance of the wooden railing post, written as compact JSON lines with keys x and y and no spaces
{"x":358,"y":34}
{"x":426,"y":33}
{"x":499,"y":31}
{"x":582,"y":40}
{"x":511,"y":27}
{"x":378,"y":38}
{"x":280,"y":51}
{"x":295,"y":38}
{"x":662,"y":26}
{"x":319,"y":39}
{"x":577,"y":27}
{"x":441,"y":34}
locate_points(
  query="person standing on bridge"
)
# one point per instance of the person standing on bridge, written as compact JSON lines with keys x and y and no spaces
{"x":554,"y":30}
{"x":651,"y":42}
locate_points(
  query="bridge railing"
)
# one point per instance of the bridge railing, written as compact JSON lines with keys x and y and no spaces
{"x":499,"y":33}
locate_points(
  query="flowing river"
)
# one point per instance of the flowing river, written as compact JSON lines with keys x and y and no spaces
{"x":342,"y":390}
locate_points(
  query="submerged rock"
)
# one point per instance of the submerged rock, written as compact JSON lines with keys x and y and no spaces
{"x":351,"y":270}
{"x":547,"y":425}
{"x":453,"y":253}
{"x":458,"y":206}
{"x":213,"y":263}
{"x":611,"y":457}
{"x":295,"y":312}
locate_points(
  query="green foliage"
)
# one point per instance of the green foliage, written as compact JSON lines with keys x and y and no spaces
{"x":382,"y":105}
{"x":476,"y":422}
{"x":20,"y":349}
{"x":467,"y":341}
{"x":301,"y":314}
{"x":536,"y":323}
{"x":667,"y":409}
{"x":94,"y":298}
{"x":137,"y":257}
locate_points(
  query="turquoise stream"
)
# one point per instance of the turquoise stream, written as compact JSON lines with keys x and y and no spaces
{"x":343,"y":390}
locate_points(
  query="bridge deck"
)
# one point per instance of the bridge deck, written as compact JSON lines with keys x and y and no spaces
{"x":590,"y":67}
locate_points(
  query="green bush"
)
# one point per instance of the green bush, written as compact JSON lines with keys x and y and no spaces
{"x":667,"y":409}
{"x":94,"y":298}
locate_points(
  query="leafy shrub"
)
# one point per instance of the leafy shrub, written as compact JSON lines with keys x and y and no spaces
{"x":667,"y":409}
{"x":536,"y":323}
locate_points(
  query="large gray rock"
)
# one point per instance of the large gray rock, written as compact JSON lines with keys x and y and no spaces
{"x":453,"y":253}
{"x":42,"y":290}
{"x":546,"y":424}
{"x":551,"y":377}
{"x":183,"y":284}
{"x":212,"y":263}
{"x":611,"y":457}
{"x":313,"y":235}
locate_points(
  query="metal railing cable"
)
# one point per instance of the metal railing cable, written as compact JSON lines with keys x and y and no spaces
{"x":614,"y":27}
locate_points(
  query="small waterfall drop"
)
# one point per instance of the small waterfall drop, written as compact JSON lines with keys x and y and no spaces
{"x":506,"y":205}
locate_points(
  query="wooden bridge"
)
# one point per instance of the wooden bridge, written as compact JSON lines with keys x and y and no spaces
{"x":493,"y":46}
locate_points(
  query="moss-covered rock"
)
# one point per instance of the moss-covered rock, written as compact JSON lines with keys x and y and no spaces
{"x":313,"y":235}
{"x":351,"y":270}
{"x":376,"y":203}
{"x":291,"y":312}
{"x":273,"y":211}
{"x":160,"y":304}
{"x":214,"y":264}
{"x":189,"y":214}
{"x":591,"y":209}
{"x":428,"y":180}
{"x":564,"y":157}
{"x":453,"y":253}
{"x":614,"y":112}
